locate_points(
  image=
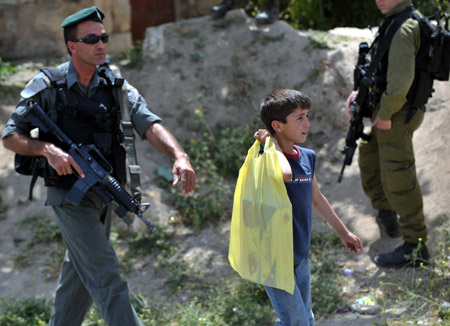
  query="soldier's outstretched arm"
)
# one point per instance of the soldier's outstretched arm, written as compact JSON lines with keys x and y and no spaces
{"x":160,"y":138}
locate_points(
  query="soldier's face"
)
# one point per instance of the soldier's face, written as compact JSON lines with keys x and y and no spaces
{"x":386,"y":6}
{"x":91,"y":54}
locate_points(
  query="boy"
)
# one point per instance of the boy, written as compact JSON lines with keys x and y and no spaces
{"x":285,"y":115}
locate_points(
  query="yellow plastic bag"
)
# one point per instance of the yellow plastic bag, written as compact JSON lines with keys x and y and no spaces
{"x":261,"y":242}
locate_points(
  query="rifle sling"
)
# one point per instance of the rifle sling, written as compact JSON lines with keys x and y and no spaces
{"x":385,"y":42}
{"x":134,"y":169}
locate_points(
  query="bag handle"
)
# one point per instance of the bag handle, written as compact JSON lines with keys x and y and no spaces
{"x":254,"y":150}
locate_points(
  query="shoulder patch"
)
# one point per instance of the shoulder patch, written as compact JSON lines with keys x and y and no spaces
{"x":34,"y":87}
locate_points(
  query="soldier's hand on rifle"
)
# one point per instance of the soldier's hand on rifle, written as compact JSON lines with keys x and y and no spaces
{"x":61,"y":161}
{"x":351,"y":98}
{"x":382,"y":124}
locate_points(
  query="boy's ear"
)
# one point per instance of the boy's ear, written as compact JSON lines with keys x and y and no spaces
{"x":276,"y":125}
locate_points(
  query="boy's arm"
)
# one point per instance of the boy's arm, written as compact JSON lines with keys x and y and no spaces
{"x":286,"y":169}
{"x":321,"y":204}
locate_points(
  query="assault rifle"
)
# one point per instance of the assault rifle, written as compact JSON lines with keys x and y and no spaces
{"x":432,"y":62}
{"x":96,"y":169}
{"x":361,"y":107}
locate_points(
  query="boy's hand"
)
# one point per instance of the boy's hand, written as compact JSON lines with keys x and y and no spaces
{"x":352,"y":242}
{"x":261,"y":135}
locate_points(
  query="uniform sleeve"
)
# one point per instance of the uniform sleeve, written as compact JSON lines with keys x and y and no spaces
{"x":401,"y":67}
{"x":16,"y":124}
{"x":140,"y":114}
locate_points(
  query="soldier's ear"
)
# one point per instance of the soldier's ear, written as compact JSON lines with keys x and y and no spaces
{"x":71,"y":46}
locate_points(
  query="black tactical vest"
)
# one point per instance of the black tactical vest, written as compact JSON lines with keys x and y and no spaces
{"x":84,"y":120}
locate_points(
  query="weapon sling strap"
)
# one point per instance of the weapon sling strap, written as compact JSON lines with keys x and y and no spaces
{"x":134,"y":169}
{"x":385,"y":42}
{"x":382,"y":46}
{"x":58,"y":79}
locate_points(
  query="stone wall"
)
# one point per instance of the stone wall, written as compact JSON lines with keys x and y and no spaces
{"x":31,"y":28}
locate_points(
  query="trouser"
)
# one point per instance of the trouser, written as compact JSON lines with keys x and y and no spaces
{"x":90,"y":270}
{"x":294,"y":309}
{"x":388,"y":174}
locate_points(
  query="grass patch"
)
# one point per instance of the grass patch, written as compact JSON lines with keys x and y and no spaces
{"x":145,"y":243}
{"x":28,"y":312}
{"x":325,"y":284}
{"x":426,"y":289}
{"x":229,"y":302}
{"x":6,"y":69}
{"x":235,"y":303}
{"x":216,"y":157}
{"x":44,"y":232}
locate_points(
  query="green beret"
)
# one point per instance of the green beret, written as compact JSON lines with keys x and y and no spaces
{"x":82,"y":15}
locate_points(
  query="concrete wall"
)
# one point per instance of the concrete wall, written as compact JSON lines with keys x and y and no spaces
{"x":31,"y":28}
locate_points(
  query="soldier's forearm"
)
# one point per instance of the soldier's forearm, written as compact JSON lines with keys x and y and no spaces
{"x":160,"y":138}
{"x":24,"y":145}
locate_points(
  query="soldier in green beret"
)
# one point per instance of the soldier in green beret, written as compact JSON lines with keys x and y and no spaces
{"x":83,"y":99}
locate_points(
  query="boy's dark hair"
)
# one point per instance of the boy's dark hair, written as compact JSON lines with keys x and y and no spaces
{"x":70,"y":32}
{"x":278,"y":104}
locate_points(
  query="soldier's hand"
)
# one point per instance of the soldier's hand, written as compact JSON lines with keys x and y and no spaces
{"x":62,"y":162}
{"x":183,"y":170}
{"x":351,"y":98}
{"x":382,"y":124}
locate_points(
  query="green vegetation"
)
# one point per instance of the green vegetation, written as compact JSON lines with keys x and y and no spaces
{"x":230,"y":302}
{"x":325,"y":288}
{"x":144,"y":243}
{"x":216,"y":158}
{"x":132,"y":58}
{"x":43,"y":232}
{"x":28,"y":312}
{"x":425,"y":289}
{"x":6,"y":69}
{"x":328,"y":14}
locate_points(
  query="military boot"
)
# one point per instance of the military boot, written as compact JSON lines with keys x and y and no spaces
{"x":270,"y":12}
{"x":221,"y":9}
{"x":390,"y":221}
{"x":408,"y":254}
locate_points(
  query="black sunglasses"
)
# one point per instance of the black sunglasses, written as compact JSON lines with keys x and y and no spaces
{"x":93,"y":39}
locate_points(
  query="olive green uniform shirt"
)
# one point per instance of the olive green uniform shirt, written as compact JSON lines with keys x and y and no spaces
{"x":401,"y":65}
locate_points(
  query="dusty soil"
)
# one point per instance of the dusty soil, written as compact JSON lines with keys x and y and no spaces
{"x":224,"y":68}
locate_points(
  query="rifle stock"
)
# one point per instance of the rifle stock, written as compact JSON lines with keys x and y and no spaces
{"x":97,"y":172}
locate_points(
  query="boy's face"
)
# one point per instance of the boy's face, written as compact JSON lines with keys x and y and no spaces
{"x":296,"y":127}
